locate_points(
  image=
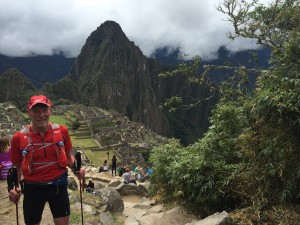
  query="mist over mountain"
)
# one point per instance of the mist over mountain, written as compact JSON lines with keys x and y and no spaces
{"x":250,"y":59}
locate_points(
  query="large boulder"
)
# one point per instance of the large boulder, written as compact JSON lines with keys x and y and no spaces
{"x":214,"y":219}
{"x":99,"y":185}
{"x":112,"y":198}
{"x":127,"y":189}
{"x":143,"y":189}
{"x":107,"y":219}
{"x":115,"y":183}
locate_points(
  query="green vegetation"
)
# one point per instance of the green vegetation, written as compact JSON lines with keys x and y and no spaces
{"x":98,"y":157}
{"x":75,"y":217}
{"x":70,"y":116}
{"x":249,"y":158}
{"x":58,"y":120}
{"x":83,"y":142}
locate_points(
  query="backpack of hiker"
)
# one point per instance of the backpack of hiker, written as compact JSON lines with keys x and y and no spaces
{"x":29,"y":148}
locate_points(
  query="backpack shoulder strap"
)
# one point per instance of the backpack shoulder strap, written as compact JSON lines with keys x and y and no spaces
{"x":55,"y":126}
{"x":25,"y":130}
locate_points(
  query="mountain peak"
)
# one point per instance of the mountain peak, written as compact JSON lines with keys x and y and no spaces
{"x":109,"y":30}
{"x":104,"y":47}
{"x":112,"y":73}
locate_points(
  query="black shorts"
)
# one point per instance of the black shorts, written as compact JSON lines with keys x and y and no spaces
{"x":36,"y":196}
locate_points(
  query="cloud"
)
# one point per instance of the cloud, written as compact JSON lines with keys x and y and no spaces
{"x":46,"y":27}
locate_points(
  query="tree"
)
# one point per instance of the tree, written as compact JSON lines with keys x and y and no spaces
{"x":250,"y":154}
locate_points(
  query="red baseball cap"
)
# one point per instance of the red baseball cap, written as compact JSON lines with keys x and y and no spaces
{"x":38,"y":99}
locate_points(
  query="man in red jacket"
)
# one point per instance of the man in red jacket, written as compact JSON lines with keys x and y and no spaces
{"x":41,"y":153}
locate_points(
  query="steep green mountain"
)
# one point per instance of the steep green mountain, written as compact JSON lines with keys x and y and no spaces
{"x":15,"y":87}
{"x":112,"y":73}
{"x":63,"y":91}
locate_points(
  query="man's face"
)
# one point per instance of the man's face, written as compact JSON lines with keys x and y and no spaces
{"x":39,"y":115}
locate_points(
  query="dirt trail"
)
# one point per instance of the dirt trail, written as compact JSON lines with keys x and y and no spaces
{"x":8,"y":209}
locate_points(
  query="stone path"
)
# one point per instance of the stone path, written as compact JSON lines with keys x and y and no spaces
{"x":137,"y":211}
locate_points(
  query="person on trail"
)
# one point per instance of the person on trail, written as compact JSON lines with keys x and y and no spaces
{"x":139,"y":172}
{"x":41,"y":153}
{"x":5,"y":163}
{"x":136,"y":170}
{"x":121,"y":170}
{"x":114,"y":165}
{"x":90,"y":186}
{"x":128,"y":177}
{"x":104,"y":167}
{"x":149,"y":172}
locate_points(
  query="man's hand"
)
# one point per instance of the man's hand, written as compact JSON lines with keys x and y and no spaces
{"x":14,"y":195}
{"x":80,"y":173}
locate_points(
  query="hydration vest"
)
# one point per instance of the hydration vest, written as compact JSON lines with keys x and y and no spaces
{"x":28,"y":148}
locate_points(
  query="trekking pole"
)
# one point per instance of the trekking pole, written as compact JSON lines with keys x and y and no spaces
{"x":12,"y":183}
{"x":77,"y":166}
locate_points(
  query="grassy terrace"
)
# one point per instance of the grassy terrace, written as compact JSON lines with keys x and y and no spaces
{"x":70,"y":115}
{"x":85,"y":142}
{"x":59,"y":120}
{"x":98,"y":157}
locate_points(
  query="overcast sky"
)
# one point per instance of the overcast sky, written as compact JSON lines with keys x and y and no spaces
{"x":47,"y":26}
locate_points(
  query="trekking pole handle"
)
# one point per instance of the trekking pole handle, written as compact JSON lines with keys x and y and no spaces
{"x":12,"y":179}
{"x":76,"y":168}
{"x":77,"y":162}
